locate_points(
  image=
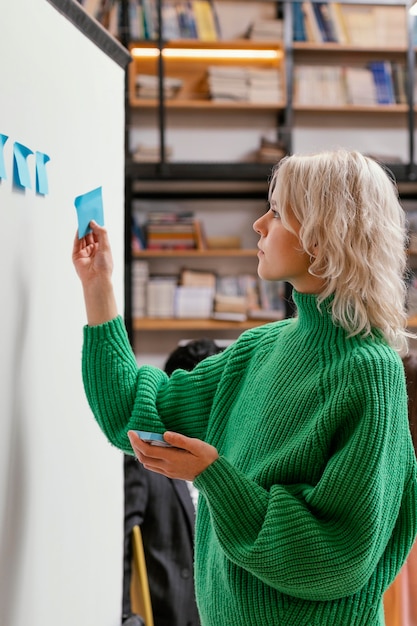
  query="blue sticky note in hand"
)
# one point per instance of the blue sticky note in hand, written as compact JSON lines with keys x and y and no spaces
{"x":89,"y":207}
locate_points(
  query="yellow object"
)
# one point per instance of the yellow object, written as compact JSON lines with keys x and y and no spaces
{"x":140,"y":596}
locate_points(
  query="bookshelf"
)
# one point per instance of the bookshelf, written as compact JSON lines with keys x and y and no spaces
{"x":179,"y":167}
{"x":189,"y":63}
{"x":241,"y":202}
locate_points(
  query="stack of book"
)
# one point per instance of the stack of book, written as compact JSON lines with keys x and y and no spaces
{"x":140,"y":278}
{"x":228,"y":83}
{"x":270,"y":151}
{"x":170,"y":231}
{"x":204,"y":294}
{"x":195,"y":293}
{"x":267,"y":30}
{"x":160,"y":296}
{"x":245,"y":84}
{"x":147,"y":86}
{"x":271,"y":301}
{"x":265,"y":85}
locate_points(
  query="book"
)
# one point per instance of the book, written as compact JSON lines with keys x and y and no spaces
{"x":170,"y":24}
{"x":399,"y":80}
{"x":204,"y":20}
{"x":170,"y":231}
{"x":150,"y":20}
{"x":200,"y":235}
{"x":360,"y":25}
{"x":339,"y":25}
{"x":313,"y":31}
{"x":360,"y":86}
{"x":140,"y":275}
{"x":299,"y":31}
{"x":324,"y":21}
{"x":160,"y":296}
{"x":228,"y":316}
{"x":193,"y":302}
{"x":231,"y":304}
{"x":381,"y":71}
{"x":186,"y":20}
{"x":197,"y":278}
{"x":272,"y":299}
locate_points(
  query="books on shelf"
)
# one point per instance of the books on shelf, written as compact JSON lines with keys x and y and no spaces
{"x":197,"y":278}
{"x":147,"y":86}
{"x":205,"y":20}
{"x":312,"y":27}
{"x":270,"y":151}
{"x":181,"y":19}
{"x":361,"y":25}
{"x":245,"y":84}
{"x":325,"y":21}
{"x":204,"y":294}
{"x":378,"y":83}
{"x":272,"y":300}
{"x":140,"y":278}
{"x":170,"y":231}
{"x":360,"y":86}
{"x":299,"y":29}
{"x":136,"y":20}
{"x":382,"y":75}
{"x":160,"y":296}
{"x":193,"y":302}
{"x":319,"y":85}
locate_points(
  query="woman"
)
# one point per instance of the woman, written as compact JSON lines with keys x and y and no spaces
{"x":296,"y":436}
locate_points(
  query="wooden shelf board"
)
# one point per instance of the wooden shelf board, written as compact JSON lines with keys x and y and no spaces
{"x":337,"y":47}
{"x":232,"y":252}
{"x":139,"y":103}
{"x":351,"y":108}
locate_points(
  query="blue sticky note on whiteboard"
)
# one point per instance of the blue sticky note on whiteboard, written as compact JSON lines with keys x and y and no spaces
{"x":89,"y":207}
{"x":41,"y":177}
{"x":3,"y":139}
{"x":21,"y":176}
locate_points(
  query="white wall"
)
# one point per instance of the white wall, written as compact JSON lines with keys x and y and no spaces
{"x":60,"y":481}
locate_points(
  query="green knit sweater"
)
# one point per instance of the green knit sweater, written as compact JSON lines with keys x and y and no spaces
{"x":310,"y":511}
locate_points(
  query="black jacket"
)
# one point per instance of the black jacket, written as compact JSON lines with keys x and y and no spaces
{"x":163,"y":509}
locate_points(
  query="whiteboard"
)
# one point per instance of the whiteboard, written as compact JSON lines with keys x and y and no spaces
{"x":61,"y":483}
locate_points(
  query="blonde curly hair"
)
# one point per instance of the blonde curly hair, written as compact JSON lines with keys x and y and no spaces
{"x":354,"y":229}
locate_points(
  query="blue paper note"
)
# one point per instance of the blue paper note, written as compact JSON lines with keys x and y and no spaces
{"x":21,"y":176}
{"x":3,"y":139}
{"x":89,"y":207}
{"x":41,"y":177}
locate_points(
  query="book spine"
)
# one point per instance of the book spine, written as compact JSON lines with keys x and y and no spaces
{"x":299,"y":31}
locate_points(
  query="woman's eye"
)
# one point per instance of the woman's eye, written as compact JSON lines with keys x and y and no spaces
{"x":275,"y":214}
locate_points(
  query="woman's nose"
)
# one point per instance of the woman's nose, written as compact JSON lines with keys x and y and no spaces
{"x":257,"y":226}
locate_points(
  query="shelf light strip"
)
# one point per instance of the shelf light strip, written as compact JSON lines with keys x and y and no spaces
{"x":195,"y":53}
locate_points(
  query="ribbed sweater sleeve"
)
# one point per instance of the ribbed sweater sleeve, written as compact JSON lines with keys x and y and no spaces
{"x":124,"y":397}
{"x":323,"y":541}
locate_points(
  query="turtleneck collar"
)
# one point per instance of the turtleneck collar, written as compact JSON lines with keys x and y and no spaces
{"x":314,"y":318}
